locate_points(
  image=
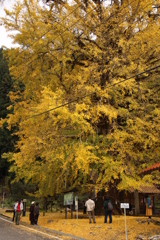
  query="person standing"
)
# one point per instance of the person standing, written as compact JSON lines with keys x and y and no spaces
{"x":148,"y":208}
{"x":14,"y":210}
{"x":108,"y":207}
{"x":21,"y":206}
{"x":84,"y":207}
{"x":18,"y":212}
{"x":36,"y":213}
{"x":90,"y":205}
{"x":31,"y":213}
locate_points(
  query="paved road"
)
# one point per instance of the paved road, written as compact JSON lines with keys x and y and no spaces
{"x":10,"y":231}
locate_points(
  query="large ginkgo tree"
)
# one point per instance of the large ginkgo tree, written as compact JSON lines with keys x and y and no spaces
{"x":90,"y":113}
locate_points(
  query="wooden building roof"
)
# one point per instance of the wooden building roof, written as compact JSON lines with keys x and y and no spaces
{"x":70,"y":190}
{"x":156,"y":166}
{"x":152,"y":189}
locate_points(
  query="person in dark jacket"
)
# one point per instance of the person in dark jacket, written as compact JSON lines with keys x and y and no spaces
{"x":14,"y":210}
{"x":84,"y":207}
{"x":108,"y":207}
{"x":31,"y":213}
{"x":36,"y":213}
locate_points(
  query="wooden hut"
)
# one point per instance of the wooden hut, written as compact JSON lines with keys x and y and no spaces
{"x":135,"y":197}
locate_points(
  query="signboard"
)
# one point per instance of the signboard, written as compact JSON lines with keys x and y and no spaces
{"x":124,"y":205}
{"x":76,"y":203}
{"x":68,"y":198}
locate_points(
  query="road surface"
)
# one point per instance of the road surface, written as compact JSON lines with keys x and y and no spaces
{"x":10,"y":231}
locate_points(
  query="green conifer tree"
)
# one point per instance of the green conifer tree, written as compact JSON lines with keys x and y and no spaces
{"x":6,"y":140}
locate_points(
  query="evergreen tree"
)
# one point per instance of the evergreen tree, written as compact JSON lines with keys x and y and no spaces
{"x":6,"y":140}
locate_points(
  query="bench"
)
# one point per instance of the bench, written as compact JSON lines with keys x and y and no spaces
{"x":9,"y":210}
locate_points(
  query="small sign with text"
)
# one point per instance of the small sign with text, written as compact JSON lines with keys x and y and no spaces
{"x":124,"y":205}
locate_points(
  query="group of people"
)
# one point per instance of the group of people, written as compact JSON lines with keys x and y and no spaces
{"x":108,"y":208}
{"x":34,"y":213}
{"x":89,"y":206}
{"x":17,"y":211}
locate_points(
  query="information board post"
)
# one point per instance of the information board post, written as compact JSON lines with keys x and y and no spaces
{"x":125,"y":205}
{"x":71,"y":207}
{"x":76,"y":205}
{"x":65,"y":212}
{"x":68,"y":201}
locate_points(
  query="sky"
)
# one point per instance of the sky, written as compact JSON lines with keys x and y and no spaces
{"x":4,"y":39}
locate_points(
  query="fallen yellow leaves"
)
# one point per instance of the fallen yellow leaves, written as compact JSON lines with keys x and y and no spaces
{"x":99,"y":231}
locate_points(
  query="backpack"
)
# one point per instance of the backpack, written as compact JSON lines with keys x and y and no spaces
{"x":110,"y":207}
{"x":18,"y":208}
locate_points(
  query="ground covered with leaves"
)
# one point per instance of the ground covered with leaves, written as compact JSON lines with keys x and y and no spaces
{"x":136,"y":226}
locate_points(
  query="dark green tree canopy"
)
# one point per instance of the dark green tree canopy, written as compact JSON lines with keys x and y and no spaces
{"x":6,"y":140}
{"x":5,"y":86}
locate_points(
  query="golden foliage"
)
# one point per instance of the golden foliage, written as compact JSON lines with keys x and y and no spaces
{"x":82,"y":229}
{"x":111,"y":131}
